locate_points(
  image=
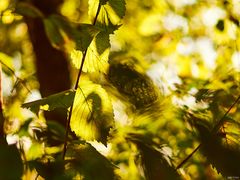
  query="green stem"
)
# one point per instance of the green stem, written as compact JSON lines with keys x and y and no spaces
{"x":75,"y":88}
{"x":188,"y":157}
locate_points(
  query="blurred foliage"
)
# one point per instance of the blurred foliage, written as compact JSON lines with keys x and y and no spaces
{"x":157,"y":79}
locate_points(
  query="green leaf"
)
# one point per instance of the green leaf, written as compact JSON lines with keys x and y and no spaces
{"x":28,"y":10}
{"x":221,"y":153}
{"x":98,"y":48}
{"x":53,"y":135}
{"x":85,"y":35}
{"x":90,"y":163}
{"x":11,"y":166}
{"x":81,"y":161}
{"x":60,"y":100}
{"x":102,"y":2}
{"x":53,"y":33}
{"x":155,"y":163}
{"x":63,"y":24}
{"x":97,"y":54}
{"x":50,"y":170}
{"x":60,"y":31}
{"x":111,"y":11}
{"x":92,"y":115}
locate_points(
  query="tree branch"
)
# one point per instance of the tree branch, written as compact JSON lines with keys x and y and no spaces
{"x":76,"y":86}
{"x":214,"y":130}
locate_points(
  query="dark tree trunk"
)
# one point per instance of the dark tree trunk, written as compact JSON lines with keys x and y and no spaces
{"x":1,"y":108}
{"x":51,"y":64}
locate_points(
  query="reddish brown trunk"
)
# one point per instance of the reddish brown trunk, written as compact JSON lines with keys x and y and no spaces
{"x":1,"y":106}
{"x":51,"y":64}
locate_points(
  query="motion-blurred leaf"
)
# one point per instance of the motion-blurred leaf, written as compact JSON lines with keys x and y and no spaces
{"x":137,"y":87}
{"x":92,"y":115}
{"x":53,"y":33}
{"x":28,"y":10}
{"x":154,"y":163}
{"x":60,"y":100}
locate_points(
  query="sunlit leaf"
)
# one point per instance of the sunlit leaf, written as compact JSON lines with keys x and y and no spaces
{"x":60,"y":100}
{"x":11,"y":166}
{"x":92,"y":115}
{"x":111,"y":11}
{"x":90,"y":163}
{"x":28,"y":10}
{"x":97,"y":54}
{"x":99,"y":47}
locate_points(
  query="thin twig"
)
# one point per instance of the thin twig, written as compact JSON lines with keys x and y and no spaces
{"x":214,"y":130}
{"x":220,"y":122}
{"x":18,"y":79}
{"x":76,"y":86}
{"x":10,"y":69}
{"x":188,"y":157}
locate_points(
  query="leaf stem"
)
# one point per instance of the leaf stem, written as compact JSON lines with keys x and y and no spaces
{"x":214,"y":130}
{"x":97,"y":13}
{"x":188,"y":157}
{"x":75,"y":88}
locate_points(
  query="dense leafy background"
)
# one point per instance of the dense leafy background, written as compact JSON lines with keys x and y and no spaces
{"x":157,"y":81}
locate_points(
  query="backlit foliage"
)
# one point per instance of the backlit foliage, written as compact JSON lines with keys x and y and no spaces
{"x":158,"y":78}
